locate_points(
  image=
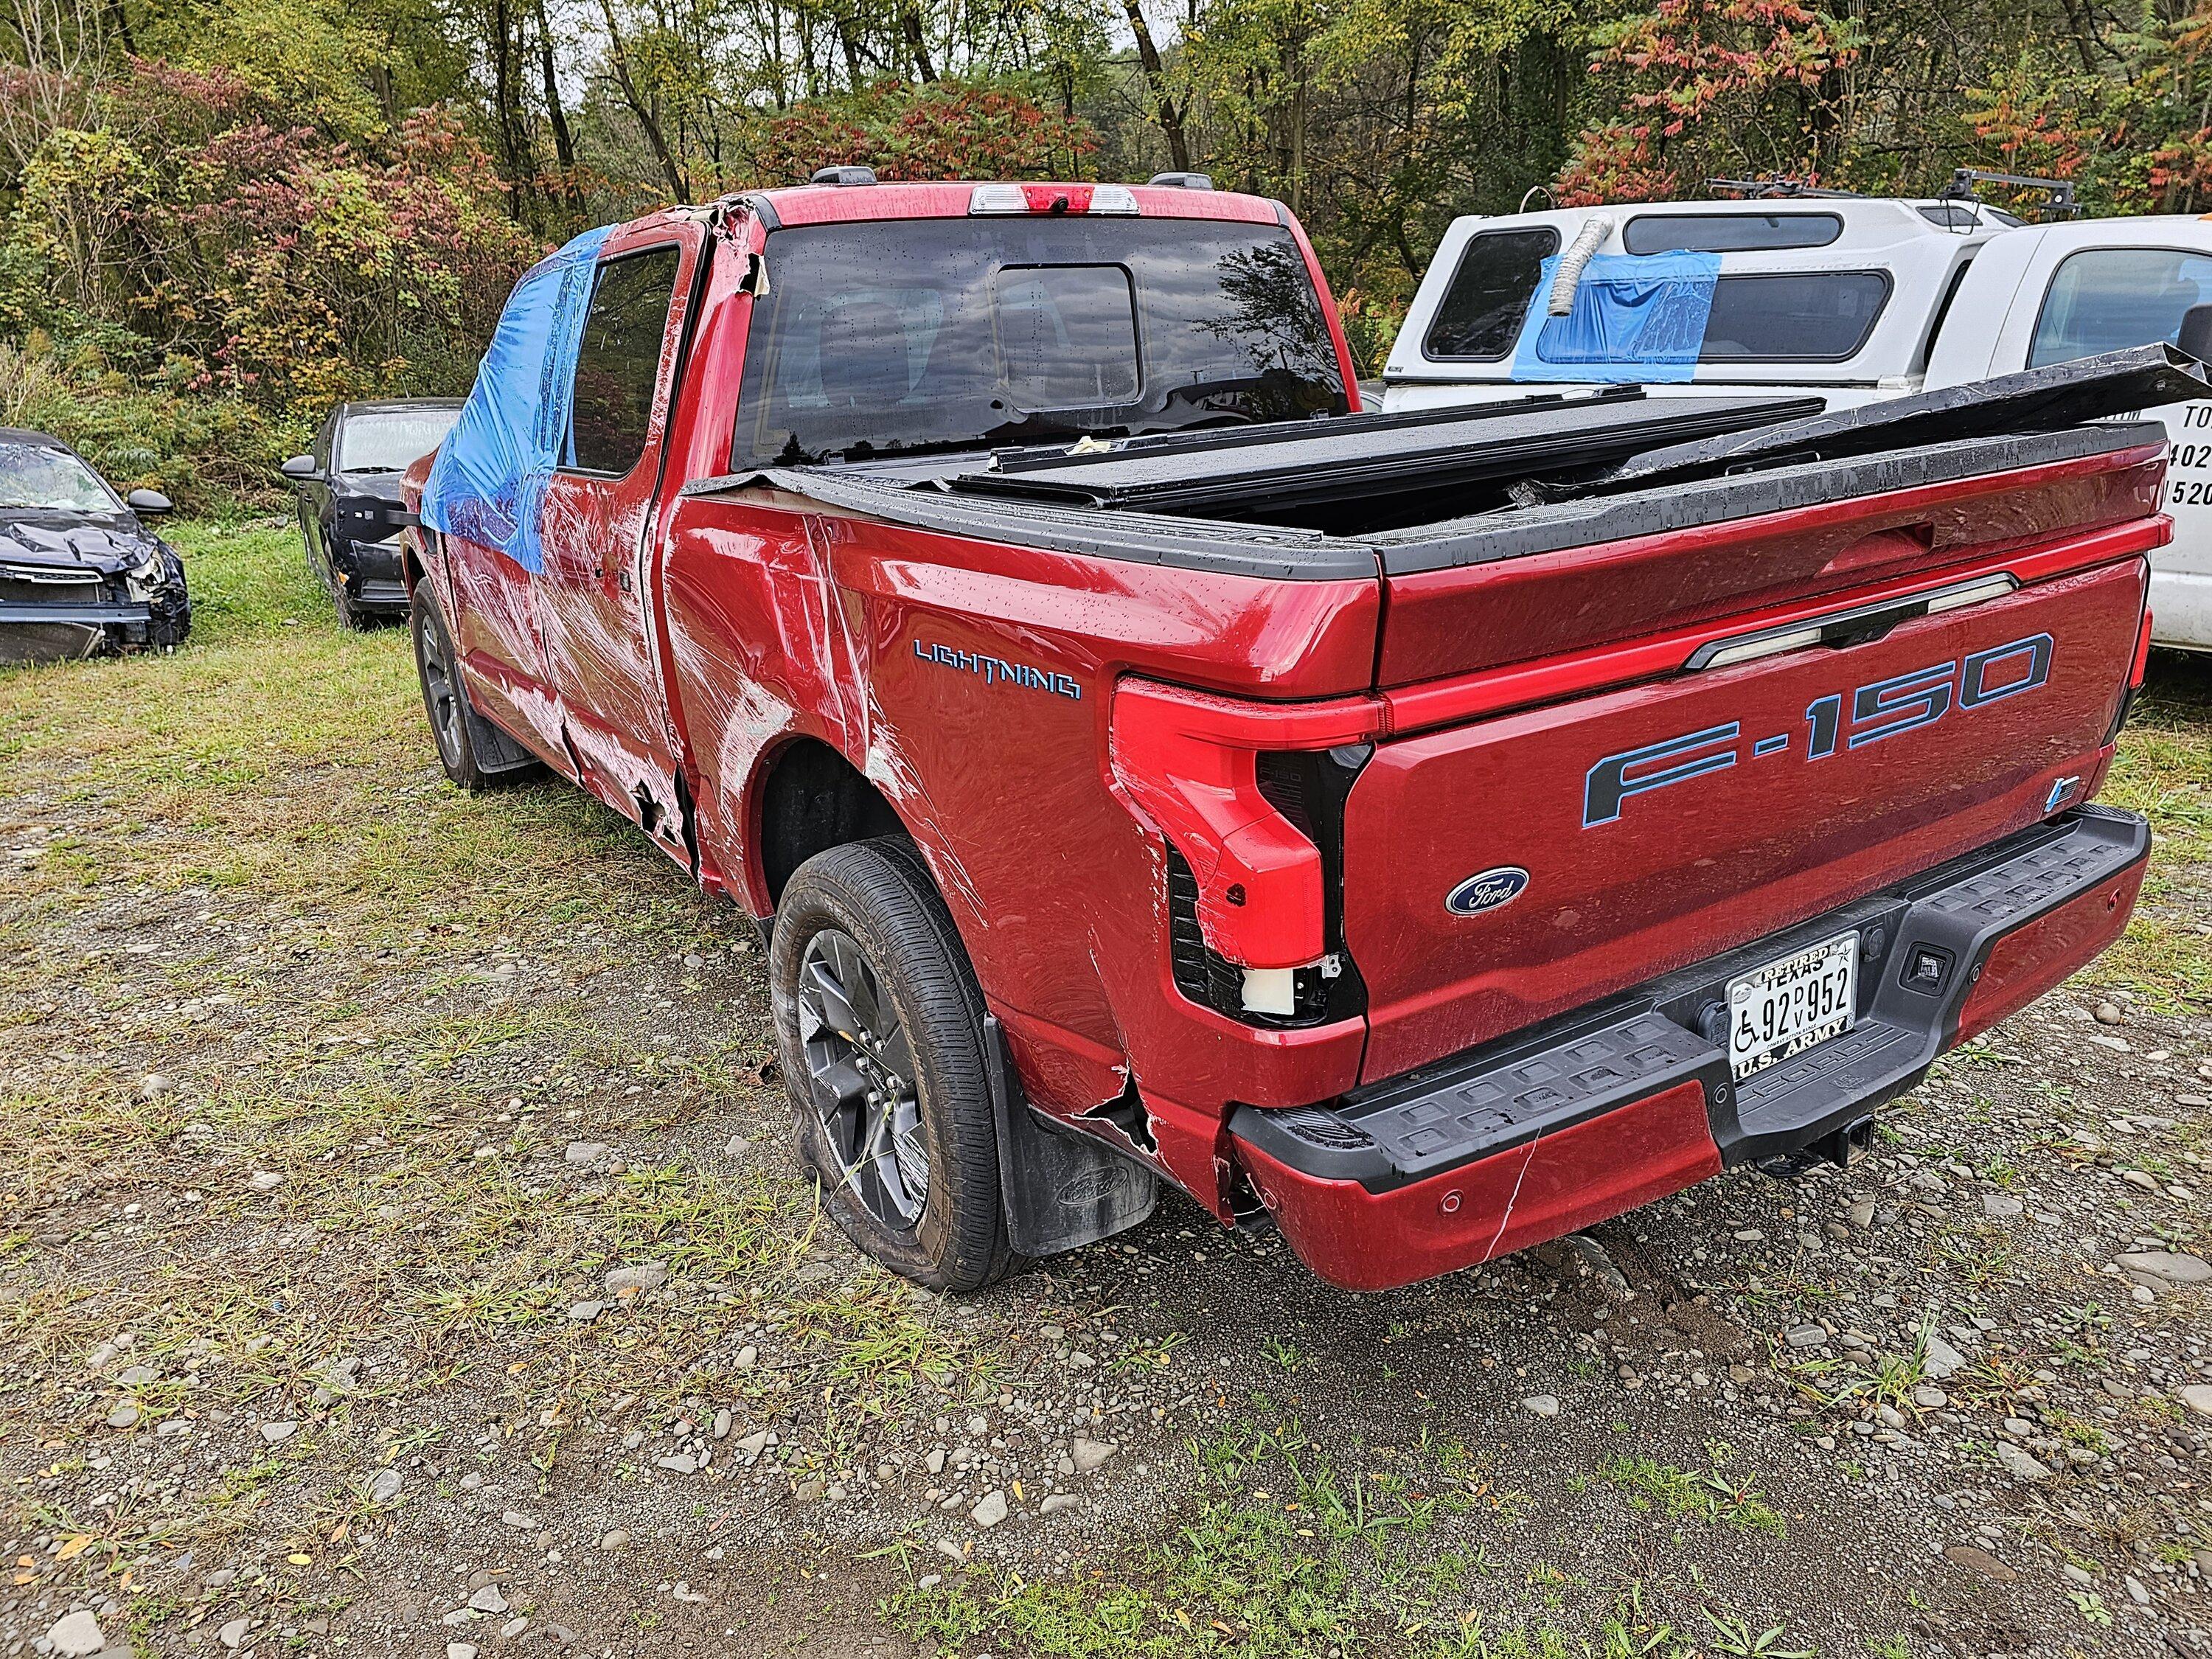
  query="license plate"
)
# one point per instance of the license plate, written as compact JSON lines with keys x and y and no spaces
{"x":1785,"y":1007}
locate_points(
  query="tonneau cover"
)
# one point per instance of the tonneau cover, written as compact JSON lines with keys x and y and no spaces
{"x":1286,"y":554}
{"x":1264,"y":471}
{"x":2048,"y":400}
{"x":1112,"y":503}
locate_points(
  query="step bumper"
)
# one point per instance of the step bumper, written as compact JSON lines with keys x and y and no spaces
{"x":1585,"y":1116}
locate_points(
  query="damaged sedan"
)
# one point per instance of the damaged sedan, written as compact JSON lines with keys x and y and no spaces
{"x":79,"y":574}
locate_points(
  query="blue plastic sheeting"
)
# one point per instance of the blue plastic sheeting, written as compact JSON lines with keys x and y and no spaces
{"x":488,"y":482}
{"x":1636,"y":317}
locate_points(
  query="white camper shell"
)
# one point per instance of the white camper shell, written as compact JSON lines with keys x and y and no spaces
{"x":1850,"y":299}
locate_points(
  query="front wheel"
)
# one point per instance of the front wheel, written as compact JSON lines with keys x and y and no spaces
{"x":879,"y":1029}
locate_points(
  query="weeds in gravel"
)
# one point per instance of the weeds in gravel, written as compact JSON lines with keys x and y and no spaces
{"x":1284,"y":1553}
{"x":1699,"y":1495}
{"x":1733,"y":1636}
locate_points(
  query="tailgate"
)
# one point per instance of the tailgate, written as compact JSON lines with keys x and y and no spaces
{"x":1503,"y":870}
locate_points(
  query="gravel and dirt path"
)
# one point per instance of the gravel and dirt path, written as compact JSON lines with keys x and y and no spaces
{"x":400,"y":1254}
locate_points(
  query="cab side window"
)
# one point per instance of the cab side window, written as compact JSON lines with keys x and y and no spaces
{"x":2107,"y":299}
{"x":618,"y":361}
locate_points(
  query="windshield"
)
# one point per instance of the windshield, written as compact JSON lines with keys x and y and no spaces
{"x":391,"y":440}
{"x":893,"y":338}
{"x":34,"y":476}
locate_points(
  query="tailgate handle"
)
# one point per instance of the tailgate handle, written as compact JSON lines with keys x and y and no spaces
{"x":1841,"y":630}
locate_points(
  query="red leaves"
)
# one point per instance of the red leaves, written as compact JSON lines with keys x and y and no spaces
{"x":306,"y":262}
{"x":1708,"y":77}
{"x":945,"y":129}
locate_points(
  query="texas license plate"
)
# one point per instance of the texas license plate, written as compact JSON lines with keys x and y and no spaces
{"x":1785,"y":1007}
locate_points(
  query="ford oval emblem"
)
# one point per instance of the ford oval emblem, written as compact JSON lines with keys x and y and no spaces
{"x":1488,"y":891}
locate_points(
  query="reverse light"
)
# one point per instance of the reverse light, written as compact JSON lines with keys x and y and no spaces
{"x":1271,"y":991}
{"x":1093,"y":199}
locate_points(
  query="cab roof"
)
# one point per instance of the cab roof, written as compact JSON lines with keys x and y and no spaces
{"x":819,"y":204}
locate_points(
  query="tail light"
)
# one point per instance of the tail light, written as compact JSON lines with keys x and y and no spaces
{"x":1214,"y":777}
{"x":2136,"y":674}
{"x":1095,"y":200}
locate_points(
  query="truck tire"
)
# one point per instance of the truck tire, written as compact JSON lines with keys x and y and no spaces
{"x":879,"y":1032}
{"x":476,"y":754}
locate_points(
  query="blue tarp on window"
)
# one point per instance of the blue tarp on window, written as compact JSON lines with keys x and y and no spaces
{"x":489,"y":479}
{"x":1636,"y":317}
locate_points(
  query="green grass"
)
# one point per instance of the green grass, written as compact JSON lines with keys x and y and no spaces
{"x":265,"y":808}
{"x":2164,"y":770}
{"x":1281,"y":1552}
{"x":1692,"y":1495}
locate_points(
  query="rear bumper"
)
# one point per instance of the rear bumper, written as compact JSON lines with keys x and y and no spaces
{"x":373,"y":572}
{"x":1610,"y":1107}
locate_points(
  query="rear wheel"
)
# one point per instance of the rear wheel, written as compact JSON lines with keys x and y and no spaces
{"x":474,"y":754}
{"x":879,"y":1027}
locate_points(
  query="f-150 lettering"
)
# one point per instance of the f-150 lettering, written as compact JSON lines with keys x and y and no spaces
{"x":1883,"y":709}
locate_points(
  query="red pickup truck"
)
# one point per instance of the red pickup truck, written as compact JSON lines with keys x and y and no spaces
{"x":1427,"y":833}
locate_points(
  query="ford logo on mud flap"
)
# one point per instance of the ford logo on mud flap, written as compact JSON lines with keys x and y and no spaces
{"x":1488,"y":891}
{"x":1087,"y":1187}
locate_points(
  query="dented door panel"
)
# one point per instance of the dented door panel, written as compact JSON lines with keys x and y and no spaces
{"x":493,"y":607}
{"x":595,"y":613}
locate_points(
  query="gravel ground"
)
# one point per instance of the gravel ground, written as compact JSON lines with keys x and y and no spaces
{"x":400,"y":1253}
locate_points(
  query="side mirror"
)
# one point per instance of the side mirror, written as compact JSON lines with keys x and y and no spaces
{"x":301,"y":467}
{"x":148,"y":503}
{"x":2195,"y":335}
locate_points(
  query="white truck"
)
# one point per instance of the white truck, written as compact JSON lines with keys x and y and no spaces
{"x":1849,"y":299}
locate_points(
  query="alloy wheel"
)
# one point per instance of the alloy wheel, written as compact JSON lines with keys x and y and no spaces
{"x":861,"y":1077}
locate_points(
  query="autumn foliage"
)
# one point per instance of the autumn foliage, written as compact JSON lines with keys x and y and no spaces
{"x":941,"y":131}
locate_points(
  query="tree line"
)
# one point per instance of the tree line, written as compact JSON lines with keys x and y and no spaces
{"x":221,"y":216}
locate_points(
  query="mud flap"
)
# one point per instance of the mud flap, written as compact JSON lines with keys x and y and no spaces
{"x":496,"y":752}
{"x":1061,"y":1190}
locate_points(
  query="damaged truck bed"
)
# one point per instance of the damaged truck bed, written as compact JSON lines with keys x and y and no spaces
{"x":1430,"y":834}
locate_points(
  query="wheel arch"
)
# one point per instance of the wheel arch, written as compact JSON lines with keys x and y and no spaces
{"x":808,"y":798}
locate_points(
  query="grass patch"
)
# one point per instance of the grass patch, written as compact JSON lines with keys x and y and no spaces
{"x":2163,"y":771}
{"x":1283,"y":1551}
{"x":1692,"y":1495}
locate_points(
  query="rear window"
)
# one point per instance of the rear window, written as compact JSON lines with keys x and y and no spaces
{"x":902,"y":336}
{"x":618,"y":360}
{"x":1728,"y":233}
{"x":1819,"y":317}
{"x":1479,"y":317}
{"x":2107,"y":299}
